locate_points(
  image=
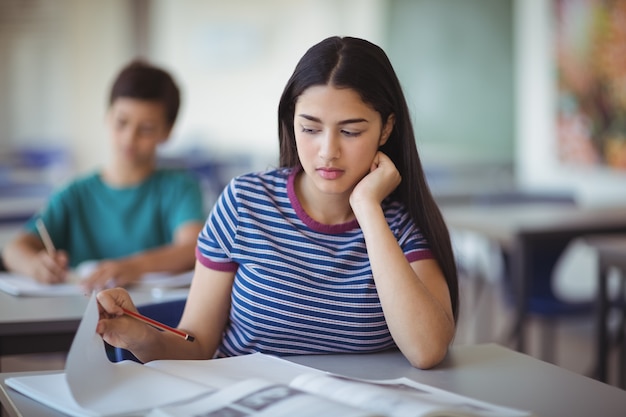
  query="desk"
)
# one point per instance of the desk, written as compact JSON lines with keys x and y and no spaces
{"x":523,"y":229}
{"x":487,"y":372}
{"x":45,"y":324}
{"x":611,"y":252}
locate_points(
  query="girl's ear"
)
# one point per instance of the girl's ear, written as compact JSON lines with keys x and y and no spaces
{"x":387,"y":129}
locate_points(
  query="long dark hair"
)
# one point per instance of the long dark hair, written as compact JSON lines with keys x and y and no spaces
{"x":365,"y":68}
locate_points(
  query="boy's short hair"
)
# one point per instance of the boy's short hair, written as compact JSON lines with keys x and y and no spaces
{"x":140,"y":80}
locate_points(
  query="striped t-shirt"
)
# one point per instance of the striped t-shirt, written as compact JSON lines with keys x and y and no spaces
{"x":300,"y":287}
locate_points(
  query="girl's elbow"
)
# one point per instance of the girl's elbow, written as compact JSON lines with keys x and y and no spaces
{"x":426,"y":361}
{"x":426,"y":357}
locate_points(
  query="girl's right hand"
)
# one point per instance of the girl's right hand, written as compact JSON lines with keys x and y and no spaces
{"x":382,"y":179}
{"x":116,"y":328}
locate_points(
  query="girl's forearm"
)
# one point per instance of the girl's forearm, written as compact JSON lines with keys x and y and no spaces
{"x":420,"y":322}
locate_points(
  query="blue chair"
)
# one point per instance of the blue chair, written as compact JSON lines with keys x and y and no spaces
{"x":167,"y":312}
{"x":543,"y":303}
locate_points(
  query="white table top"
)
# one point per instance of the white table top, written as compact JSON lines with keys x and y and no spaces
{"x":496,"y":374}
{"x":486,"y":372}
{"x":503,"y":222}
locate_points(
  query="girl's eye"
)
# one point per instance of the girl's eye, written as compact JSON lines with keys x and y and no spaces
{"x":308,"y":130}
{"x":350,"y":133}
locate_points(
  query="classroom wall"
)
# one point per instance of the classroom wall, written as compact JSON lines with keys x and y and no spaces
{"x":234,"y":58}
{"x":478,"y":76}
{"x":230,"y":58}
{"x":455,"y":60}
{"x":57,"y":58}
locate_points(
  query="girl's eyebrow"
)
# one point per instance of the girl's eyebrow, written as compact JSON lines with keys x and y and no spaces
{"x":343,"y":122}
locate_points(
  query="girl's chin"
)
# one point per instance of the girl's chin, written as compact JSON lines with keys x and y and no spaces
{"x":334,"y":188}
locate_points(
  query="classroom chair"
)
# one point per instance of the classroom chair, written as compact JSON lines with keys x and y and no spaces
{"x":543,"y":303}
{"x":585,"y":261}
{"x":167,"y":312}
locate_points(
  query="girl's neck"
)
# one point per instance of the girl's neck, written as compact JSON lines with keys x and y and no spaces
{"x":324,"y":208}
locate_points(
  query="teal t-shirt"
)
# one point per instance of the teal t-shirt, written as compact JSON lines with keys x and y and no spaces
{"x":92,"y":220}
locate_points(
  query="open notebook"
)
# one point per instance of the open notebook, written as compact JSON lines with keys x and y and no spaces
{"x":26,"y":286}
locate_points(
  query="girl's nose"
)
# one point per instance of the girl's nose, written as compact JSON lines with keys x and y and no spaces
{"x":329,"y":147}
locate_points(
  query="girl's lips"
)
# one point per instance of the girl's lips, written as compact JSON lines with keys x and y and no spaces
{"x":330,"y":173}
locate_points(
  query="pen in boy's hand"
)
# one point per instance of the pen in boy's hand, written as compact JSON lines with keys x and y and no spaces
{"x":158,"y":325}
{"x":45,"y":237}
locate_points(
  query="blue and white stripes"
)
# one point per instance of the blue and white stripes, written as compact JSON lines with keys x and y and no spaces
{"x":300,"y":287}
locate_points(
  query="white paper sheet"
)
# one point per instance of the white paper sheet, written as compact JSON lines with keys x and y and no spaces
{"x":220,"y":373}
{"x":25,"y":286}
{"x":261,"y":398}
{"x":94,"y":386}
{"x":19,"y":286}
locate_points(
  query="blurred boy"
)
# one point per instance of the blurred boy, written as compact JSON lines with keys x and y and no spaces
{"x":129,"y":216}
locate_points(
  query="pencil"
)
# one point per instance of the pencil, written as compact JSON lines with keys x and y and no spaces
{"x":45,"y":237}
{"x":158,"y":325}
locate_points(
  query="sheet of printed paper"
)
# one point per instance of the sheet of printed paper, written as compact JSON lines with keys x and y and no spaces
{"x":93,"y":386}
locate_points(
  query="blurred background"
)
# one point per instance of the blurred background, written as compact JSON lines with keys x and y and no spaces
{"x":481,"y":78}
{"x":232,"y":58}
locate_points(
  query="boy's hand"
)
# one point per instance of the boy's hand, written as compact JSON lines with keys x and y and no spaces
{"x":50,"y":268}
{"x":112,"y":273}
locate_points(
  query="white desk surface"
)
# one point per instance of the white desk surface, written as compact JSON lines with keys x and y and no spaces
{"x":503,"y":222}
{"x":29,"y":315}
{"x":496,"y":374}
{"x":487,"y":372}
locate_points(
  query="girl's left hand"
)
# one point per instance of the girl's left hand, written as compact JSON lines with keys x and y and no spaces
{"x":382,"y":179}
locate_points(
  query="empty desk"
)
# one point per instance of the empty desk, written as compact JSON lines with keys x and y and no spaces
{"x":524,"y":229}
